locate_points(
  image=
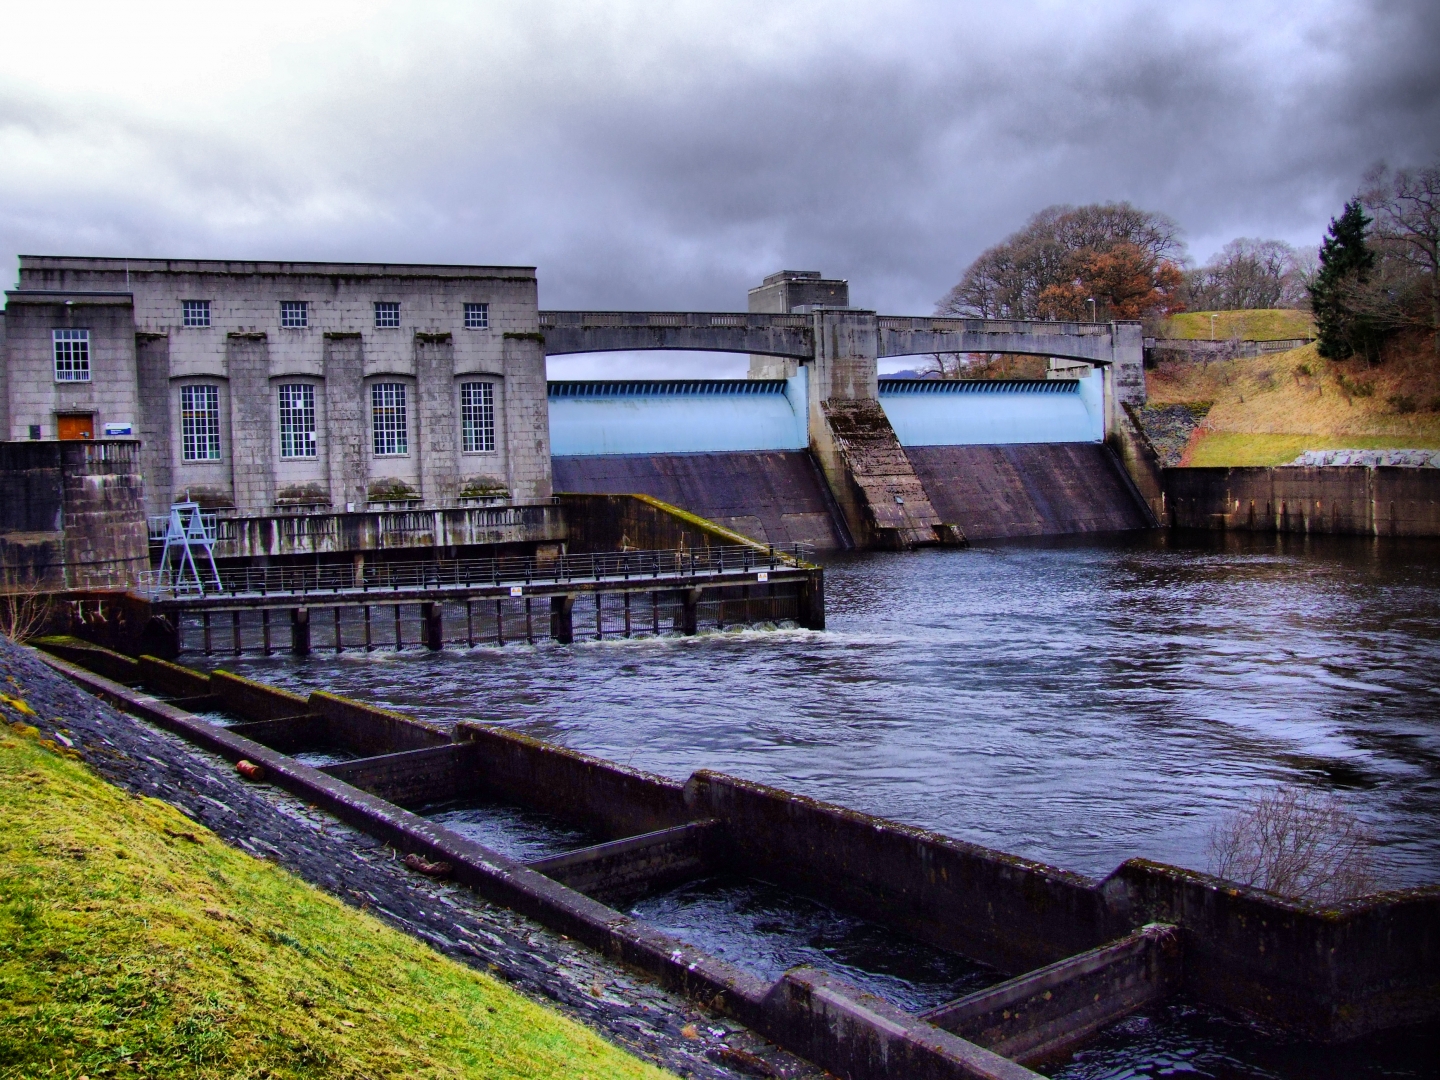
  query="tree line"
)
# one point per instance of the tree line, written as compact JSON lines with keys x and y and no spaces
{"x":1376,"y":275}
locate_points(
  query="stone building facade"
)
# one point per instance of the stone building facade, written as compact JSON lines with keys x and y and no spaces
{"x":271,"y":387}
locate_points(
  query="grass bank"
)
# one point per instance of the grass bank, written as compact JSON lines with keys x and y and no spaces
{"x":1259,"y":324}
{"x":134,"y":943}
{"x":1268,"y":409}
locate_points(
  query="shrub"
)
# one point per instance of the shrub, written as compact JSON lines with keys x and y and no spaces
{"x":1401,"y":403}
{"x":1298,"y":843}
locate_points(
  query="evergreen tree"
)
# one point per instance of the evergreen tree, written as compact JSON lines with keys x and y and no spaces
{"x":1345,"y":263}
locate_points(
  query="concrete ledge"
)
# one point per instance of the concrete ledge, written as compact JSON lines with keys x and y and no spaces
{"x":854,"y":1034}
{"x":1343,"y":499}
{"x":413,"y":777}
{"x":617,"y":800}
{"x":1043,"y":1015}
{"x":367,"y":729}
{"x":172,"y":679}
{"x":1009,"y":912}
{"x":624,"y":869}
{"x":93,"y":657}
{"x":256,"y":701}
{"x":1330,"y":973}
{"x":289,"y":734}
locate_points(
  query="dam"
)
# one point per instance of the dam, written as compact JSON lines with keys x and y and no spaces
{"x":816,"y":447}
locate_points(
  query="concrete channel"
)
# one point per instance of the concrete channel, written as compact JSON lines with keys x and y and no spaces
{"x":1081,"y":953}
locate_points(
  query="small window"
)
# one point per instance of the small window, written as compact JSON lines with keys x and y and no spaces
{"x":200,"y":423}
{"x":72,"y":355}
{"x":297,"y":420}
{"x":477,"y":316}
{"x":294,"y":314}
{"x":387,"y":314}
{"x":387,"y":415}
{"x":477,"y":417}
{"x":196,"y":312}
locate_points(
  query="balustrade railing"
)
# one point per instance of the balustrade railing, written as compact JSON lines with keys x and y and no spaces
{"x":418,"y":576}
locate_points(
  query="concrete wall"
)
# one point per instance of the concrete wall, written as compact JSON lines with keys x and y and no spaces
{"x":1346,"y":499}
{"x":943,"y":412}
{"x":246,"y":353}
{"x":776,"y":497}
{"x":72,"y":514}
{"x":1035,"y":489}
{"x":684,"y":416}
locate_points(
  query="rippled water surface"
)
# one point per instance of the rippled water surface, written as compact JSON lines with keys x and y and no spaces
{"x":1076,"y":703}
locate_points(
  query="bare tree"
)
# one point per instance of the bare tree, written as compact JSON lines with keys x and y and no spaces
{"x":24,"y":606}
{"x":1247,"y":273}
{"x":1298,"y":843}
{"x":1406,"y":205}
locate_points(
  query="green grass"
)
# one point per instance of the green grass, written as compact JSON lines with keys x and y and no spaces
{"x":1259,"y":324}
{"x":1234,"y":448}
{"x":134,"y":943}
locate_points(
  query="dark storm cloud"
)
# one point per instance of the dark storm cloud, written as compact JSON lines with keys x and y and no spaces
{"x":671,"y":162}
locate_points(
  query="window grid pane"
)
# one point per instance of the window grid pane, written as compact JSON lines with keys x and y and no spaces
{"x":477,"y":316}
{"x":72,"y":355}
{"x":387,"y":314}
{"x":200,"y":423}
{"x":197,"y":312}
{"x":294,"y":314}
{"x":297,"y":420}
{"x":477,"y":417}
{"x":387,"y":411}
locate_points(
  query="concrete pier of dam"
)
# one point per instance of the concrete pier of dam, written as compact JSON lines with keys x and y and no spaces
{"x":1075,"y":954}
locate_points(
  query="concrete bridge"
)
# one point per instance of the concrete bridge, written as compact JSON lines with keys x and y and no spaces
{"x":888,"y":458}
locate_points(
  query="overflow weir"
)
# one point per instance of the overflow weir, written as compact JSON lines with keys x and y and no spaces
{"x":1079,"y":953}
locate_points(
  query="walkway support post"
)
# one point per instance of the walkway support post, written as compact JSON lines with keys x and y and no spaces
{"x":812,"y":601}
{"x":434,"y":626}
{"x":690,"y":612}
{"x":562,"y":621}
{"x":300,"y":631}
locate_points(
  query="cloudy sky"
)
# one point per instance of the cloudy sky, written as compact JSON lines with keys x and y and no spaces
{"x":668,"y":155}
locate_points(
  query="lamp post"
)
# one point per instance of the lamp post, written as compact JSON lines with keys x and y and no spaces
{"x":1091,"y":301}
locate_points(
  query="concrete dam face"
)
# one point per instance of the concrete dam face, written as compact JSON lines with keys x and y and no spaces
{"x":999,"y":458}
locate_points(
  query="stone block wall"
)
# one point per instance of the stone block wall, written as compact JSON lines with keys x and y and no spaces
{"x":33,"y":395}
{"x":148,"y":353}
{"x":72,"y":514}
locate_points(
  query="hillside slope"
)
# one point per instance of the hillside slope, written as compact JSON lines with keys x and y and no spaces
{"x":1267,"y":410}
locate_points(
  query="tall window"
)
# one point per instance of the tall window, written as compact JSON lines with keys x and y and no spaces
{"x":200,"y":423}
{"x":196,"y":312}
{"x":477,"y":417}
{"x":294,"y":314}
{"x":387,"y":415}
{"x":477,"y":316}
{"x":297,"y":420}
{"x":72,"y":355}
{"x":387,"y":314}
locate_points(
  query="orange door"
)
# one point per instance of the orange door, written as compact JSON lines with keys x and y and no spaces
{"x":81,"y":426}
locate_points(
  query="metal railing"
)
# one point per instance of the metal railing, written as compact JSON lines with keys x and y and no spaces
{"x":381,"y":577}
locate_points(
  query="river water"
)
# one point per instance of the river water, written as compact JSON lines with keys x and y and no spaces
{"x":1078,"y":702}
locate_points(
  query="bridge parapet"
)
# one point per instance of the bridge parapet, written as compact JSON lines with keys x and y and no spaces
{"x":699,"y":331}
